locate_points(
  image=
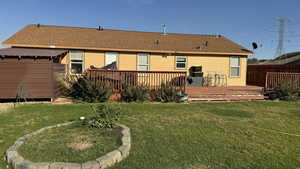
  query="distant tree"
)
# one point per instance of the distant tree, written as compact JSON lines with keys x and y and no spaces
{"x":256,"y":61}
{"x":263,"y":60}
{"x":253,"y":61}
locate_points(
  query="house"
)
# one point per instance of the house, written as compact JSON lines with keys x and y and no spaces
{"x":82,"y":48}
{"x":287,"y":58}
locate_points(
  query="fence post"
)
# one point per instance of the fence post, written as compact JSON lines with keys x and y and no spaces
{"x":267,"y":81}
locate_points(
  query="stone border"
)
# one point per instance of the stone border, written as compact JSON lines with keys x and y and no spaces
{"x":18,"y":162}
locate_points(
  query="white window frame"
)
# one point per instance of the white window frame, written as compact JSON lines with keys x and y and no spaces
{"x":185,"y":63}
{"x":239,"y":67}
{"x":117,"y":58}
{"x":78,"y":61}
{"x":138,"y":61}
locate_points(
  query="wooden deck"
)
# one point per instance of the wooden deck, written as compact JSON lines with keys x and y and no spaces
{"x":233,"y":93}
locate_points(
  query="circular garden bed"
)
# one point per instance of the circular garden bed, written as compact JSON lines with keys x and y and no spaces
{"x":70,"y":145}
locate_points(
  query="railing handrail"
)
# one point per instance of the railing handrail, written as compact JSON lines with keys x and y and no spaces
{"x":287,"y":73}
{"x":152,"y":79}
{"x":138,"y":71}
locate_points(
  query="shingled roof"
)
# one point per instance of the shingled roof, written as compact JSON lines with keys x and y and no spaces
{"x":287,"y":58}
{"x":118,"y":40}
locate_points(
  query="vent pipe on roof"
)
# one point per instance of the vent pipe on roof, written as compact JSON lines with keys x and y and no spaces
{"x":38,"y":25}
{"x":164,"y":29}
{"x":206,"y":43}
{"x":202,"y":46}
{"x":100,"y":28}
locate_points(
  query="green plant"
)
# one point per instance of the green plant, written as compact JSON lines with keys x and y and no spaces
{"x":286,"y":91}
{"x":166,"y":93}
{"x":139,"y":93}
{"x":183,"y":130}
{"x":72,"y":143}
{"x":105,"y":116}
{"x":85,"y":89}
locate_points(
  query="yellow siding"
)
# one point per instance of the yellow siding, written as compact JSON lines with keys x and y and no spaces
{"x":93,"y":58}
{"x":65,"y":60}
{"x":220,"y":65}
{"x":210,"y":64}
{"x":127,"y":61}
{"x":159,"y":62}
{"x":162,"y":62}
{"x":239,"y":81}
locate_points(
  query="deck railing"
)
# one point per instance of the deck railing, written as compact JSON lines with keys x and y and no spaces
{"x":119,"y":79}
{"x":275,"y":79}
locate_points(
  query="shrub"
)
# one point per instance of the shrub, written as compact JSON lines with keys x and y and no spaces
{"x":285,"y":91}
{"x":138,"y":93}
{"x":105,"y":116}
{"x":166,"y":93}
{"x":85,"y":89}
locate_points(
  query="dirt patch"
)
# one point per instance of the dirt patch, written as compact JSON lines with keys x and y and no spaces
{"x":5,"y":106}
{"x":199,"y":166}
{"x":81,"y":143}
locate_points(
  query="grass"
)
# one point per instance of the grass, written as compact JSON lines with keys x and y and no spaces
{"x":231,"y":113}
{"x":73,"y":143}
{"x":185,"y":136}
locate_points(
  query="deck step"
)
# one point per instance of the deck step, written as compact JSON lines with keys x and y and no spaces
{"x":225,"y":93}
{"x":226,"y":98}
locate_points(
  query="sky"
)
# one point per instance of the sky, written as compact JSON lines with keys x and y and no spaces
{"x":243,"y":21}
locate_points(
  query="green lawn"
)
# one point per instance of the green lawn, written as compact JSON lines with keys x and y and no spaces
{"x":235,"y":135}
{"x":72,"y":143}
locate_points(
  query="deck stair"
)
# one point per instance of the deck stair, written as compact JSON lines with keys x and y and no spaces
{"x":234,"y":93}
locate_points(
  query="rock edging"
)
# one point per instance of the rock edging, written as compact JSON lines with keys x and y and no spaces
{"x":115,"y":156}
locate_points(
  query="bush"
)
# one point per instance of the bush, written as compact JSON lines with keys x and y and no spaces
{"x":286,"y":92}
{"x":166,"y":93}
{"x":138,"y":93}
{"x":105,"y":116}
{"x":85,"y":89}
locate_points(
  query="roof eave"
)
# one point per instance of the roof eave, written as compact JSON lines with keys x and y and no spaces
{"x":129,"y":50}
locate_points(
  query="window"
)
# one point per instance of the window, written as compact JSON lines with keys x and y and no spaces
{"x":181,"y":62}
{"x":76,"y":62}
{"x":235,"y":66}
{"x":111,"y":59}
{"x":143,"y":61}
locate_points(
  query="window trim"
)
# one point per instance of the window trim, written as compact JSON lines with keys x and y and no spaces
{"x":117,"y":59}
{"x":186,"y":62}
{"x":239,"y":67}
{"x":71,"y":62}
{"x":137,"y":59}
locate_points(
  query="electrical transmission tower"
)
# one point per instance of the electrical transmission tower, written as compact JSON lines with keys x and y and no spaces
{"x":281,"y":36}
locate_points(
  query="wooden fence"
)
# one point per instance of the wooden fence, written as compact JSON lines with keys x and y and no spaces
{"x":28,"y":78}
{"x":256,"y":74}
{"x":118,"y":79}
{"x":274,"y":79}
